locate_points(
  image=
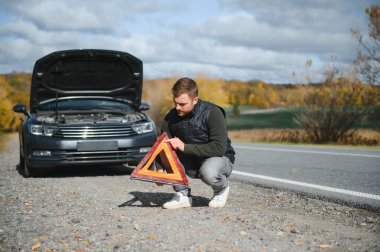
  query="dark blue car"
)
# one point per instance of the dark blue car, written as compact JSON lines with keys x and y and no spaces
{"x":85,"y":108}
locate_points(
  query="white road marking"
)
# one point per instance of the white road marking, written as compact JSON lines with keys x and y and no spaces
{"x":323,"y":188}
{"x":306,"y":151}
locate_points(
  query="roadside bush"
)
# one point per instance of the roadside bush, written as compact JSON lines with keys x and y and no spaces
{"x":335,"y":108}
{"x":358,"y":137}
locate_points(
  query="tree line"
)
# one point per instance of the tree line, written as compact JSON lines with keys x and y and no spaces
{"x":321,"y":102}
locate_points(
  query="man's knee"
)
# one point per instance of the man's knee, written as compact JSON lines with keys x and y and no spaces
{"x":212,"y":169}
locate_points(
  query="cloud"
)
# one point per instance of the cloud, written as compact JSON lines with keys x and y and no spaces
{"x":86,"y":15}
{"x":240,"y":39}
{"x":321,"y":15}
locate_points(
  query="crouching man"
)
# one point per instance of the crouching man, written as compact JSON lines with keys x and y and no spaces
{"x":197,"y":131}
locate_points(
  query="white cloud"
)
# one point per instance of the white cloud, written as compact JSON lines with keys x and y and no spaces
{"x":244,"y":29}
{"x":88,"y":15}
{"x":240,"y":39}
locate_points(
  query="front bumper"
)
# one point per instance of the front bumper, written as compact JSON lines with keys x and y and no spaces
{"x":65,"y":151}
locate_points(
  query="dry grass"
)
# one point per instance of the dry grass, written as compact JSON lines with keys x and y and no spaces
{"x":358,"y":137}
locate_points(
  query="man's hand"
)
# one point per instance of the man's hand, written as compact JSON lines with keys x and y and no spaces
{"x":176,"y":143}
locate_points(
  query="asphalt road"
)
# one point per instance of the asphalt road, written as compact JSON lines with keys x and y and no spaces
{"x":344,"y":174}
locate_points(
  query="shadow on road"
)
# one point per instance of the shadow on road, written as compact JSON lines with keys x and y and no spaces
{"x":80,"y":171}
{"x":155,"y":199}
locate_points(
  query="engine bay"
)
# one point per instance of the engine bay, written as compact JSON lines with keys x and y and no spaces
{"x":91,"y":118}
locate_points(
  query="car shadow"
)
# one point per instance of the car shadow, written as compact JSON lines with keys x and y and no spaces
{"x":80,"y":171}
{"x":157,"y":199}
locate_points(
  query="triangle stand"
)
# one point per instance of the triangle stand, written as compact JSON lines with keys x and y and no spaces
{"x":173,"y":174}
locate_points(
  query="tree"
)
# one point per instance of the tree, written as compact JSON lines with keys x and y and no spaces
{"x":238,"y":93}
{"x":334,"y":108}
{"x":368,"y":58}
{"x":14,"y":88}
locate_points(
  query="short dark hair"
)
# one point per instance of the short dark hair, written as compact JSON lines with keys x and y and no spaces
{"x":185,"y":85}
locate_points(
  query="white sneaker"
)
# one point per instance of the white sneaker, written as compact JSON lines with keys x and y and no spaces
{"x":220,"y":199}
{"x":178,"y":201}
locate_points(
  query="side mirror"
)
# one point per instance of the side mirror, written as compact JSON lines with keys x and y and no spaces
{"x":21,"y":108}
{"x":144,"y":106}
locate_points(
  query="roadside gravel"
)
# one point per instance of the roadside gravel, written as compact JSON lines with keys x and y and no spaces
{"x":101,"y":209}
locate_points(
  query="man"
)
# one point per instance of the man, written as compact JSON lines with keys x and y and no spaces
{"x":197,"y":131}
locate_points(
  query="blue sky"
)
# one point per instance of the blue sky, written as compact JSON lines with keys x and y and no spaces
{"x":230,"y":39}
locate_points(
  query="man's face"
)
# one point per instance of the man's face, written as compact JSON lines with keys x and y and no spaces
{"x":184,"y":104}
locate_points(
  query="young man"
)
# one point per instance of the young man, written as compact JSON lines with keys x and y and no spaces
{"x":197,"y":131}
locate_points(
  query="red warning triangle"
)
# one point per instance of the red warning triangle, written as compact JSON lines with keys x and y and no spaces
{"x":174,"y":171}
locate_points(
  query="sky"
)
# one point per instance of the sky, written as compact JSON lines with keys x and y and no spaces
{"x":244,"y":40}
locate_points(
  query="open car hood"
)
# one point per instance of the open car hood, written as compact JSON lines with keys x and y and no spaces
{"x":87,"y":73}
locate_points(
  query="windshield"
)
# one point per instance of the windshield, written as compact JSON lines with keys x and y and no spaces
{"x":84,"y":104}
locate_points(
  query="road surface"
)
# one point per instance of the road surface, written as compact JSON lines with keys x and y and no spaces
{"x":98,"y":208}
{"x":347,"y":174}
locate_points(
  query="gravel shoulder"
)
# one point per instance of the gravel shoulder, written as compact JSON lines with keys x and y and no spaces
{"x":101,"y":209}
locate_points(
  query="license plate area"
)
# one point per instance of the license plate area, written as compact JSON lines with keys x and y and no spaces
{"x":97,"y":146}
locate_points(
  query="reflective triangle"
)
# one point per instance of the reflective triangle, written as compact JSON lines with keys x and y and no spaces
{"x":174,"y":174}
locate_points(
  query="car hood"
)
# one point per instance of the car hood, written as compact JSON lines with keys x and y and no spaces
{"x":87,"y":73}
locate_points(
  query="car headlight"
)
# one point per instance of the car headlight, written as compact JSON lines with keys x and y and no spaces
{"x":36,"y":129}
{"x":143,"y":127}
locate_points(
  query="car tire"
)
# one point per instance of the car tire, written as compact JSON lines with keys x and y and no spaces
{"x":21,"y":162}
{"x":24,"y":167}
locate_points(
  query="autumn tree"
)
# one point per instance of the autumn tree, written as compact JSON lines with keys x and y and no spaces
{"x":238,"y":93}
{"x":368,"y":58}
{"x":14,"y":88}
{"x":334,"y":108}
{"x":5,"y":106}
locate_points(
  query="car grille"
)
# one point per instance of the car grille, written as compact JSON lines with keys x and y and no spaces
{"x":94,"y":131}
{"x":95,"y":155}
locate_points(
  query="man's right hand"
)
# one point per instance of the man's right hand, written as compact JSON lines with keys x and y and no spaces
{"x":176,"y":143}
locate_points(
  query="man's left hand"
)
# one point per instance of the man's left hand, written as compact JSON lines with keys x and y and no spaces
{"x":176,"y":143}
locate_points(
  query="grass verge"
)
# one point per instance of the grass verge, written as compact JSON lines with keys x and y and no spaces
{"x":281,"y":119}
{"x":365,"y":137}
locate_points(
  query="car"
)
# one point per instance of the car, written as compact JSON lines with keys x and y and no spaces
{"x":85,"y":109}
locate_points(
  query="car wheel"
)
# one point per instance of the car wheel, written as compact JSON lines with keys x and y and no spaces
{"x":21,"y":162}
{"x":28,"y":171}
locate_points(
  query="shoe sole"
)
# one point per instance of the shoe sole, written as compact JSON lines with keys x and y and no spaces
{"x":218,"y":206}
{"x":176,"y":206}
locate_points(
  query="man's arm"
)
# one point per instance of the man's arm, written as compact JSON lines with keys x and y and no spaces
{"x":165,"y":128}
{"x":217,"y":131}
